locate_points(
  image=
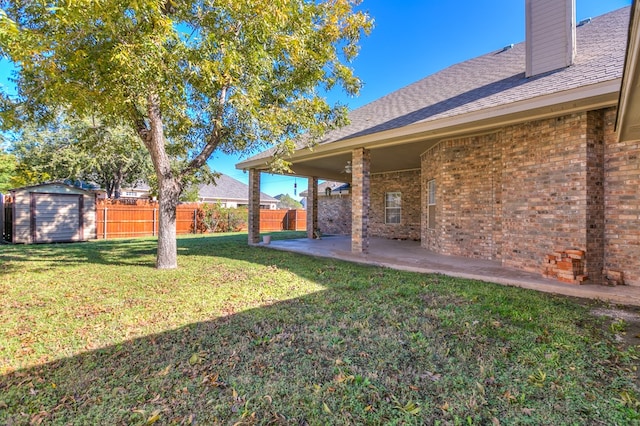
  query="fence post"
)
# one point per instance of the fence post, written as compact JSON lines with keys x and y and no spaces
{"x":195,"y":221}
{"x":228,"y":221}
{"x":104,"y":221}
{"x":295,"y":220}
{"x":153,"y":224}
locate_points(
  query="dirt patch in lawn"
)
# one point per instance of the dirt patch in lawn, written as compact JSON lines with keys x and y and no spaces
{"x":625,"y":323}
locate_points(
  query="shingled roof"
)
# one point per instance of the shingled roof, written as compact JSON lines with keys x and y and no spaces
{"x":492,"y":80}
{"x":336,"y":188}
{"x":229,"y":188}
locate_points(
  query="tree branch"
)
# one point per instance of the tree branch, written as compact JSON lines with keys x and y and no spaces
{"x":214,"y":139}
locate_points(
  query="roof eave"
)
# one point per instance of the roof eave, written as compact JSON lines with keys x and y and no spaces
{"x":628,"y":118}
{"x":595,"y":96}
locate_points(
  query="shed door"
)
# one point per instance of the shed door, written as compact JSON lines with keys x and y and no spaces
{"x":56,"y":217}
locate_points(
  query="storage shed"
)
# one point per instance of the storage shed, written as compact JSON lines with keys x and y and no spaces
{"x":51,"y":212}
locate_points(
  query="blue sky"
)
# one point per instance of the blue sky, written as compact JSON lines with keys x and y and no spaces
{"x":412,"y":39}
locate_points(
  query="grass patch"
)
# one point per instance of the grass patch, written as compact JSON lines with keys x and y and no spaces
{"x":92,"y":333}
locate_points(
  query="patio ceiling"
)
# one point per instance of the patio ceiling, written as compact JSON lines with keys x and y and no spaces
{"x":383,"y":159}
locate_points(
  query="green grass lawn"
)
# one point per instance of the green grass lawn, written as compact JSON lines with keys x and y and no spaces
{"x":91,"y":333}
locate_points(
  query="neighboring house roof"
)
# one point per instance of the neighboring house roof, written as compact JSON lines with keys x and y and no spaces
{"x":482,"y":90}
{"x":228,"y":188}
{"x":336,"y":187}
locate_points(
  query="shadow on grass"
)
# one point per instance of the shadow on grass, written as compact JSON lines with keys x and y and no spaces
{"x":375,"y":347}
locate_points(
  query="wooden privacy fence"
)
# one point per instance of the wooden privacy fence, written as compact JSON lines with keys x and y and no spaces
{"x":140,"y":219}
{"x":283,"y":220}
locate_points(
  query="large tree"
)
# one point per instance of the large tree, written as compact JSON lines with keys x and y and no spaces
{"x":85,"y":150}
{"x":190,"y":77}
{"x":7,"y":168}
{"x":288,"y":202}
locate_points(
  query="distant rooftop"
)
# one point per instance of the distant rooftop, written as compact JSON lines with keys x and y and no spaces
{"x":229,"y":188}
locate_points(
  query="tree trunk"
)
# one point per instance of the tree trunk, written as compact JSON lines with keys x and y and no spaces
{"x":169,"y":193}
{"x":169,"y":185}
{"x":109,"y":188}
{"x":117,"y":184}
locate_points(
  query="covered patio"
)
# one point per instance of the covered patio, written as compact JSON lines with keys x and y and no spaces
{"x":409,"y":256}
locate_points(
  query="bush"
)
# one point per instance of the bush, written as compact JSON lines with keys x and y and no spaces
{"x":215,"y":218}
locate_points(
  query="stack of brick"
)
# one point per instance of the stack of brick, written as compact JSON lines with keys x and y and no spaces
{"x":566,"y":266}
{"x":613,"y":277}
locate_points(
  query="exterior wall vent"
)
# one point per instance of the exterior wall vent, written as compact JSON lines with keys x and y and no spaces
{"x":550,"y":35}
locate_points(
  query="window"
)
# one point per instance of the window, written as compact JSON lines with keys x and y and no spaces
{"x":392,"y":207}
{"x":431,"y":204}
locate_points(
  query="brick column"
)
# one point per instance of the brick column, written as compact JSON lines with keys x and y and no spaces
{"x":361,"y":160}
{"x":254,"y":206}
{"x":595,"y":220}
{"x":312,"y":207}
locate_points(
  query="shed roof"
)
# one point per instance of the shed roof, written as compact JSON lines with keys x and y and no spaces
{"x":43,"y":186}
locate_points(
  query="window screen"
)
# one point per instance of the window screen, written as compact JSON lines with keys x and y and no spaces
{"x":393,"y":202}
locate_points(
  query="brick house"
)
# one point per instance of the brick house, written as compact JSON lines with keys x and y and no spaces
{"x":509,"y":156}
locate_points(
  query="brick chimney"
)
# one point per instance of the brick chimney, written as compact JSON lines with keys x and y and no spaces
{"x":550,"y":35}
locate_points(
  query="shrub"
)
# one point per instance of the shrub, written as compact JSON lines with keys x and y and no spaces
{"x":216,"y":218}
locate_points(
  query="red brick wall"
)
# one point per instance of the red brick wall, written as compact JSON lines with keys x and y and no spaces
{"x":622,"y":204}
{"x":595,"y":214}
{"x":468,"y":180}
{"x":544,"y":189}
{"x":408,"y":184}
{"x":533,"y":188}
{"x":334,"y":214}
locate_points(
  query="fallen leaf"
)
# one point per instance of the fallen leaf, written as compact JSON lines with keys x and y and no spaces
{"x":509,"y":396}
{"x":154,"y":418}
{"x":528,"y":411}
{"x":495,"y":421}
{"x":326,"y":408}
{"x":434,"y":377}
{"x":164,"y":372}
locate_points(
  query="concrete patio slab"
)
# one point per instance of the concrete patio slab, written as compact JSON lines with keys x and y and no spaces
{"x":409,"y":256}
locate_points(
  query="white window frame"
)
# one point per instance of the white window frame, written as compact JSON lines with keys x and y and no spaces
{"x":388,"y":208}
{"x":431,"y":204}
